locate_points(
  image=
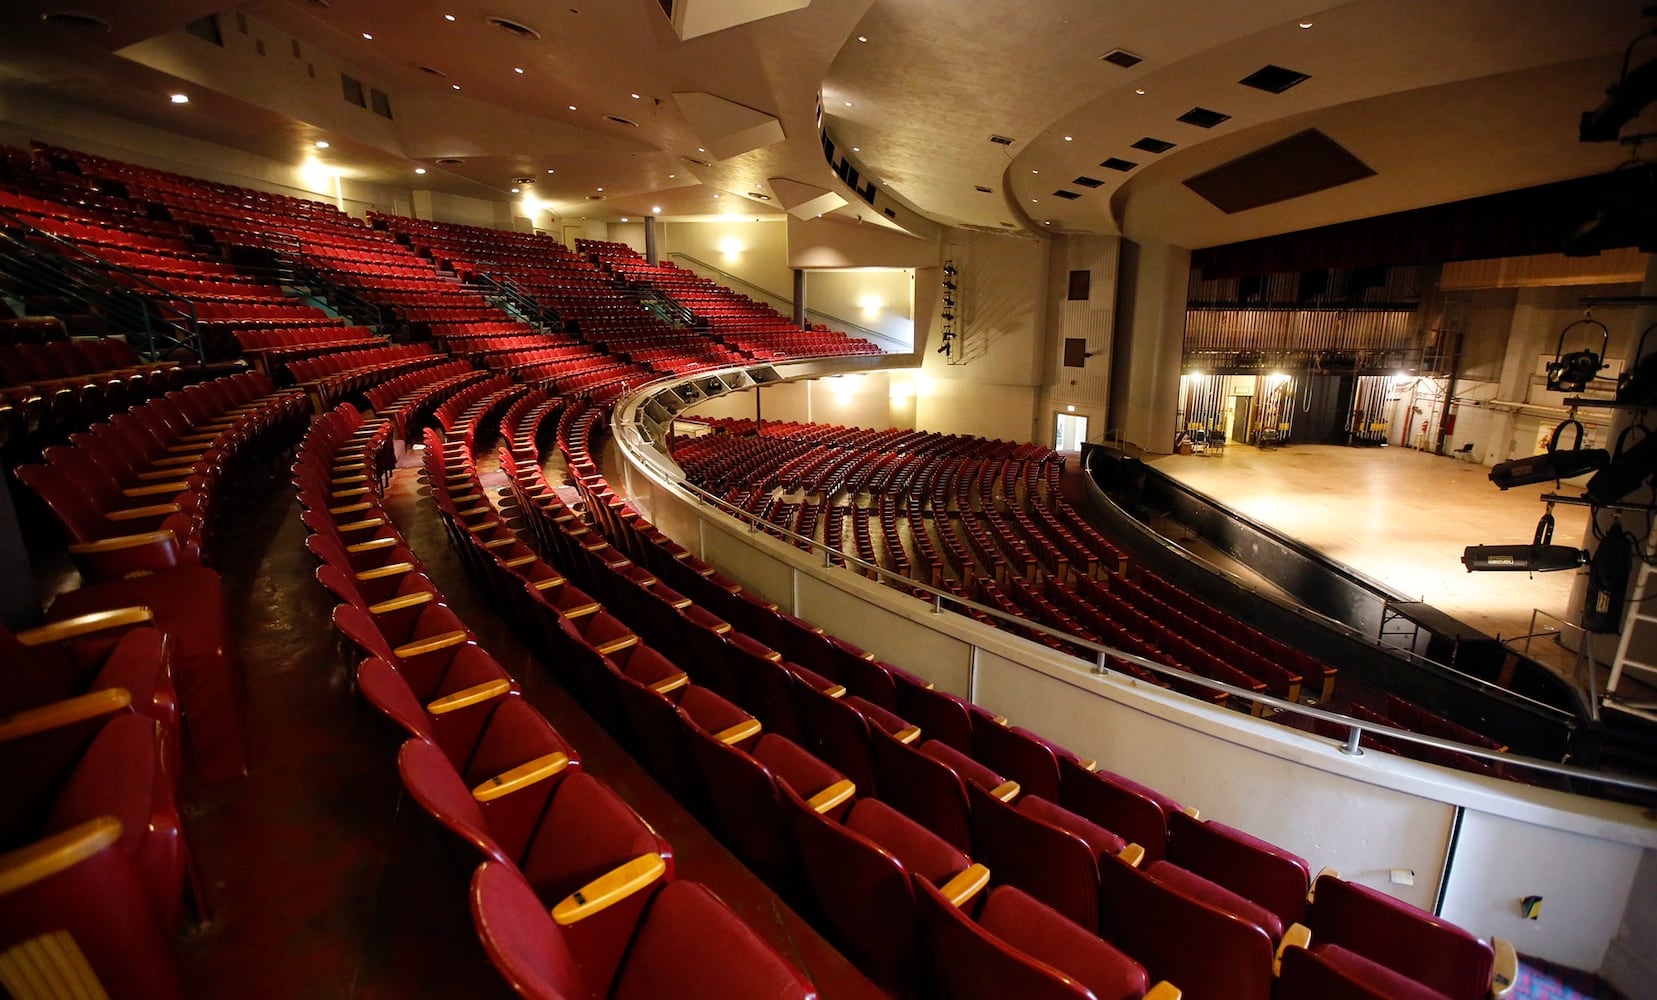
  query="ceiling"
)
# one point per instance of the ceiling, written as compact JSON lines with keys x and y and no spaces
{"x":1443,"y":99}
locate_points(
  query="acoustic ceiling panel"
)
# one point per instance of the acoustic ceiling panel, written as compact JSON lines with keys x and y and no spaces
{"x":1299,"y":165}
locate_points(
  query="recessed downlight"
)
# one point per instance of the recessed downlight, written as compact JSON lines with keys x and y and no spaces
{"x":1306,"y":24}
{"x":367,"y":37}
{"x":448,"y":17}
{"x":862,"y":38}
{"x":322,"y":144}
{"x":518,"y":69}
{"x":516,"y":190}
{"x":179,"y":98}
{"x":572,"y":107}
{"x":419,"y":170}
{"x":634,"y":96}
{"x":454,"y":86}
{"x":515,"y":28}
{"x":655,"y":210}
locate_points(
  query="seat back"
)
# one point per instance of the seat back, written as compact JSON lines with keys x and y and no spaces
{"x":1019,"y":755}
{"x":1121,"y":806}
{"x":1401,"y":937}
{"x":966,"y":962}
{"x":922,"y":788}
{"x":433,"y":783}
{"x":1305,"y":976}
{"x":1247,"y":865}
{"x":1051,"y":864}
{"x":746,"y":807}
{"x":940,"y":715}
{"x":838,"y":733}
{"x":1208,"y":953}
{"x":520,"y":938}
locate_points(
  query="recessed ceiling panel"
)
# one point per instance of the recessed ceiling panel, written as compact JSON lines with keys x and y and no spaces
{"x":727,"y":128}
{"x":1299,"y":165}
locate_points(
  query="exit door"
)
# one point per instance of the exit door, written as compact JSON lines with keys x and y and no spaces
{"x":1069,"y":431}
{"x":1242,"y":413}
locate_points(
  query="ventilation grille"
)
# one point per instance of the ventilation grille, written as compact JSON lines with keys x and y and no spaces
{"x":516,"y":28}
{"x":981,"y":189}
{"x":433,"y":70}
{"x":1088,"y":182}
{"x":450,"y":161}
{"x":1117,"y":163}
{"x":1273,"y":79}
{"x":1203,"y":118}
{"x":693,"y":161}
{"x":1001,"y":140}
{"x":1066,"y":195}
{"x":619,"y":120}
{"x":1122,"y":58}
{"x":1151,"y":145}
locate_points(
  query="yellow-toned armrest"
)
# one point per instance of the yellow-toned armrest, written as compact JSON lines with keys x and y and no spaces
{"x":80,"y":625}
{"x":389,"y":569}
{"x":1089,"y":763}
{"x":355,"y":492}
{"x":522,"y":776}
{"x":1192,"y":811}
{"x":1312,"y":892}
{"x":1296,"y":936}
{"x":1163,"y":991}
{"x":1506,"y":972}
{"x":739,"y":732}
{"x":116,"y":543}
{"x":189,"y":459}
{"x":347,"y":480}
{"x":363,"y":525}
{"x":415,"y":599}
{"x":966,"y":884}
{"x":499,"y":543}
{"x":722,"y":628}
{"x":157,"y":475}
{"x":833,"y":795}
{"x":59,"y":852}
{"x":551,"y":582}
{"x":138,"y":513}
{"x":608,"y":889}
{"x":432,"y":644}
{"x":618,"y":644}
{"x":1006,"y":791}
{"x":348,"y":467}
{"x":350,"y":508}
{"x":1001,"y":720}
{"x":682,"y":603}
{"x":1133,"y":854}
{"x":668,"y":685}
{"x":523,"y":560}
{"x":156,"y":489}
{"x":908,"y":734}
{"x":837,"y":691}
{"x":62,"y":713}
{"x":372,"y":544}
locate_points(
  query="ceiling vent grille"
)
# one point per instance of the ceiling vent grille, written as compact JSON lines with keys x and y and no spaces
{"x":619,"y":120}
{"x":1273,"y":79}
{"x":1066,"y":195}
{"x":981,"y":189}
{"x":1089,"y":182}
{"x":450,"y":161}
{"x":1001,"y":140}
{"x":1203,"y":118}
{"x":1122,"y":58}
{"x":432,"y":70}
{"x":75,"y":19}
{"x":1151,"y":145}
{"x":515,"y":28}
{"x":1117,"y":163}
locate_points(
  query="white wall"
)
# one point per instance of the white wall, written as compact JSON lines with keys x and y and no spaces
{"x":760,"y":249}
{"x":879,"y":299}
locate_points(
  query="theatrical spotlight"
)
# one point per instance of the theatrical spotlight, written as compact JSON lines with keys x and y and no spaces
{"x":1555,"y":463}
{"x":1521,"y":558}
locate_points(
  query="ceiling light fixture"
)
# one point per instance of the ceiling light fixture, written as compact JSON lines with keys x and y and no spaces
{"x":448,"y":17}
{"x":180,"y":98}
{"x":625,"y":219}
{"x":517,"y":69}
{"x":322,"y":144}
{"x":701,"y":149}
{"x":672,"y":176}
{"x":1067,"y":138}
{"x":846,"y":103}
{"x":600,"y":189}
{"x":1140,"y":91}
{"x":1306,"y":24}
{"x":367,"y":37}
{"x":572,"y":107}
{"x":857,"y":149}
{"x":634,"y":96}
{"x":516,"y":190}
{"x":862,"y":38}
{"x":716,"y":195}
{"x":454,"y":86}
{"x":655,"y":210}
{"x":419,"y":170}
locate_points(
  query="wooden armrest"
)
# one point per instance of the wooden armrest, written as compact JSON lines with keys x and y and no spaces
{"x":350,"y":508}
{"x":522,"y":776}
{"x":156,"y":489}
{"x":157,"y":475}
{"x":722,"y":628}
{"x":1192,"y":811}
{"x":833,"y":795}
{"x":344,"y":494}
{"x":432,"y":644}
{"x":608,"y":889}
{"x":139,"y":513}
{"x":372,"y":544}
{"x":618,"y":644}
{"x":1001,"y":720}
{"x":80,"y":625}
{"x":1163,"y":991}
{"x":363,"y":525}
{"x":1133,"y":854}
{"x":1312,"y":891}
{"x":1088,"y":763}
{"x":1006,"y":791}
{"x":63,"y":713}
{"x":415,"y":599}
{"x":837,"y":691}
{"x":682,"y":603}
{"x":908,"y":734}
{"x":187,"y":459}
{"x":348,"y":467}
{"x":966,"y":883}
{"x":1297,"y":935}
{"x":59,"y":852}
{"x":555,"y":581}
{"x":1506,"y":972}
{"x":732,"y":735}
{"x":389,"y":569}
{"x":116,"y":543}
{"x":667,"y":685}
{"x":499,"y":543}
{"x":347,"y":480}
{"x":517,"y":561}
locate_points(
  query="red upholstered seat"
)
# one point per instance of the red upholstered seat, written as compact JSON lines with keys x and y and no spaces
{"x":1137,"y":813}
{"x":1216,"y":895}
{"x":1253,"y":868}
{"x":923,"y":788}
{"x":1026,"y":848}
{"x":1041,"y":932}
{"x":687,"y":944}
{"x":1330,"y":972}
{"x":1410,"y":941}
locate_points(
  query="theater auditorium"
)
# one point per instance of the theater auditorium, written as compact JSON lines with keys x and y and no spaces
{"x":828,"y":498}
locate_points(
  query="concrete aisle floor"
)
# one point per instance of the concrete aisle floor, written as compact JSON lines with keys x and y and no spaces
{"x":1401,"y":517}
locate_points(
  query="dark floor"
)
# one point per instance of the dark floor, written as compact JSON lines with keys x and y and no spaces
{"x":322,"y":881}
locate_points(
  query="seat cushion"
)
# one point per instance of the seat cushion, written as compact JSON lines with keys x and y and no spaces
{"x":708,"y":711}
{"x":789,"y":763}
{"x":691,"y":945}
{"x":890,"y":722}
{"x":1100,"y":839}
{"x":922,"y":852}
{"x":1048,"y":936}
{"x":1374,"y":975}
{"x":1201,"y":889}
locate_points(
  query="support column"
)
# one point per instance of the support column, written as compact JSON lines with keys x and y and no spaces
{"x":799,"y":297}
{"x":1150,"y":339}
{"x":650,"y":240}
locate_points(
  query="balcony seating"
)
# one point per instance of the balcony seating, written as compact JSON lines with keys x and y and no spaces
{"x":685,"y":943}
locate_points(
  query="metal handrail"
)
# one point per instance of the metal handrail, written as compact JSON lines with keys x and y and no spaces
{"x":940,"y":598}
